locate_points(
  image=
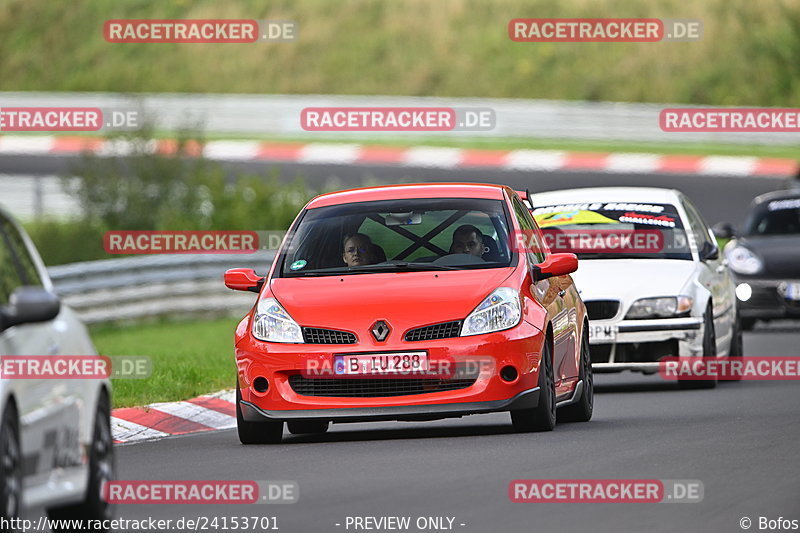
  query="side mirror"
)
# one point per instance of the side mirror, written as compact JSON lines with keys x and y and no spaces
{"x":709,"y":251}
{"x":29,"y":305}
{"x":243,"y":279}
{"x":724,"y":230}
{"x":555,"y":265}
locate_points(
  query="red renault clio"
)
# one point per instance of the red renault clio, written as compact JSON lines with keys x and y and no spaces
{"x":411,"y":302}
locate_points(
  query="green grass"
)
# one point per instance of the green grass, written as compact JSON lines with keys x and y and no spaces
{"x":188,"y":359}
{"x":747,"y":56}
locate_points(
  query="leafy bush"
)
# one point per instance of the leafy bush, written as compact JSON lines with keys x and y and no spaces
{"x":145,"y":189}
{"x":148,"y":190}
{"x":66,"y":241}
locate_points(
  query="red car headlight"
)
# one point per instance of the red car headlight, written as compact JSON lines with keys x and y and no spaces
{"x":498,"y":311}
{"x":272,"y":323}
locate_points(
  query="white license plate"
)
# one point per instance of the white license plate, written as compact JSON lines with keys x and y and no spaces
{"x":792,"y":292}
{"x":381,"y":363}
{"x":603,"y":332}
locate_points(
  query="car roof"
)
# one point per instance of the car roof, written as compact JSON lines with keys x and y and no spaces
{"x":776,"y":195}
{"x":412,"y":190}
{"x":653,"y":195}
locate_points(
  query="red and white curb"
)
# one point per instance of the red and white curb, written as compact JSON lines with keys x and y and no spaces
{"x":204,"y":413}
{"x":419,"y":156}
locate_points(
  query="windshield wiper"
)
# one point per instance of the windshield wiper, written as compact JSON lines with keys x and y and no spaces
{"x":400,"y":265}
{"x":614,"y":255}
{"x":380,"y":267}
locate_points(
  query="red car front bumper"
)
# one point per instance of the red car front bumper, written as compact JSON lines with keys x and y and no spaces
{"x":285,"y":366}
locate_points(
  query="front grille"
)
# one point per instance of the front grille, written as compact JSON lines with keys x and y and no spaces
{"x":327,"y":336}
{"x":601,"y":309}
{"x":600,"y":353}
{"x":444,"y":330}
{"x":374,"y":388}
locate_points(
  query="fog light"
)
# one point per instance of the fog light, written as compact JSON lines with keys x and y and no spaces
{"x":508,"y":373}
{"x":260,"y":384}
{"x":744,"y":291}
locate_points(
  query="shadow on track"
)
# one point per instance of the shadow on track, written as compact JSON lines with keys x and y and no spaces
{"x":412,"y":432}
{"x":421,"y":430}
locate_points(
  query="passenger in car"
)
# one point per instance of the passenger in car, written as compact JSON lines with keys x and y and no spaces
{"x":359,"y":250}
{"x":468,"y":239}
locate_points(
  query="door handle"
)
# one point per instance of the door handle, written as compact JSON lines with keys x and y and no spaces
{"x":562,"y":292}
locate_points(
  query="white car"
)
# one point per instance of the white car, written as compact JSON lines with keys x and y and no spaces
{"x":673,"y":296}
{"x":55,"y":437}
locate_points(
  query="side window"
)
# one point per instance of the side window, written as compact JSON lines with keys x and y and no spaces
{"x":698,"y":227}
{"x":10,"y":266}
{"x":30,"y":275}
{"x":529,"y":228}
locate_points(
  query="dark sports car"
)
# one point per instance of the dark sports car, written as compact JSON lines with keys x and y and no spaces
{"x":765,"y":258}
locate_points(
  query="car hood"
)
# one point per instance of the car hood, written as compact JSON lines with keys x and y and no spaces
{"x":630,"y":279}
{"x":781,"y":254}
{"x":405,"y":299}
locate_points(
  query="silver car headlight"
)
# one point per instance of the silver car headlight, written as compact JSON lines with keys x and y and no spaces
{"x":665,"y":307}
{"x":272,"y":323}
{"x":742,"y":260}
{"x":498,"y":311}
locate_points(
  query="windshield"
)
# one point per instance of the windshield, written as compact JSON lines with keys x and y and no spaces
{"x":614,"y":230}
{"x":398,"y":235}
{"x":778,"y":217}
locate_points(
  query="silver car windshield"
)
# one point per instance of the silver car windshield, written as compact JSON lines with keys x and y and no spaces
{"x":614,"y":230}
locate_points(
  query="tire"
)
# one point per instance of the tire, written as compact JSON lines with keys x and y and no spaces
{"x":709,"y":352}
{"x":267,"y":432}
{"x":736,"y":349}
{"x":101,"y":470}
{"x":543,"y":416}
{"x":10,"y":465}
{"x":299,"y":427}
{"x":581,"y":411}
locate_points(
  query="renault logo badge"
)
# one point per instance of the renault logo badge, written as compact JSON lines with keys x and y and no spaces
{"x":380,"y":330}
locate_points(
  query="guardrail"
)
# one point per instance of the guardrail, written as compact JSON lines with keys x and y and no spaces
{"x":279,"y":115}
{"x":155,"y":286}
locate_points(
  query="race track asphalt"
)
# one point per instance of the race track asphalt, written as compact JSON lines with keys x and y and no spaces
{"x":740,"y":440}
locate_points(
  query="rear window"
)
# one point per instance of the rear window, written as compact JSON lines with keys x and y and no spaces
{"x":777,"y":217}
{"x":621,"y":219}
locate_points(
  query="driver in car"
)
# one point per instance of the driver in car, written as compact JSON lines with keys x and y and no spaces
{"x":468,"y":239}
{"x":358,"y":250}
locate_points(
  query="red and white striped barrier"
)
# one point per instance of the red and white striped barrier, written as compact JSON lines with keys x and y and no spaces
{"x":419,"y":156}
{"x":156,"y":421}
